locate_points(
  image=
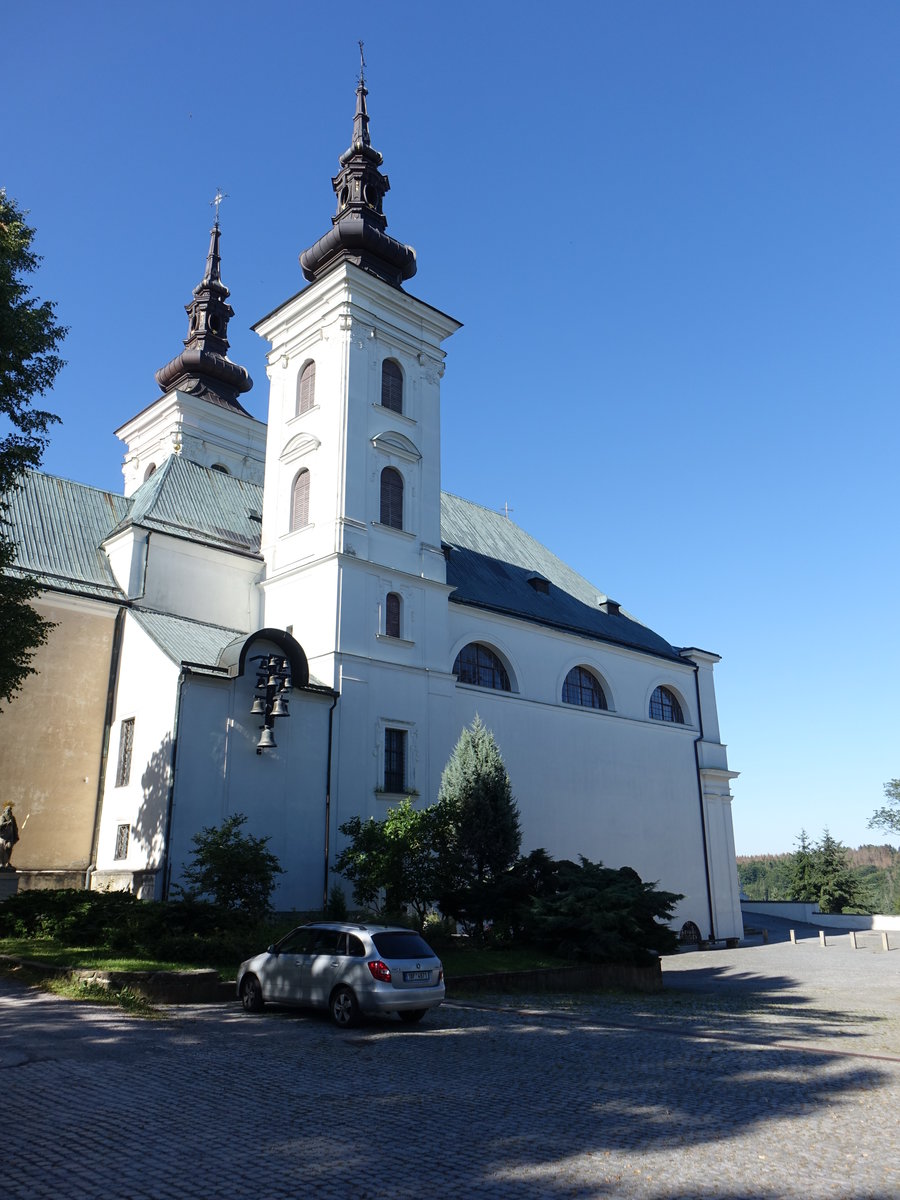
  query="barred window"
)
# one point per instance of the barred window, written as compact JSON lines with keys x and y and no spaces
{"x":392,"y":498}
{"x":582,"y":687}
{"x":479,"y":665}
{"x":664,"y":706}
{"x":126,"y":742}
{"x":306,"y":388}
{"x":391,"y":386}
{"x":395,"y":760}
{"x":122,"y":832}
{"x":300,"y":501}
{"x":392,"y":615}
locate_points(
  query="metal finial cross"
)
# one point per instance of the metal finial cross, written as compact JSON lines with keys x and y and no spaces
{"x":217,"y":200}
{"x":362,"y":66}
{"x":507,"y":510}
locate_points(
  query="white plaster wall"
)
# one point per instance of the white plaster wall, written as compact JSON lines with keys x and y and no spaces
{"x":281,"y":791}
{"x":191,"y":580}
{"x":147,"y":690}
{"x":614,"y":786}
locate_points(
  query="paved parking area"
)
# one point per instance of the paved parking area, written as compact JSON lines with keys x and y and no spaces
{"x":768,"y":1071}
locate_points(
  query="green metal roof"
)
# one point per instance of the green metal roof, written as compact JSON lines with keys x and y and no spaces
{"x":491,"y":561}
{"x":58,"y":527}
{"x":184,"y":640}
{"x":198,"y":503}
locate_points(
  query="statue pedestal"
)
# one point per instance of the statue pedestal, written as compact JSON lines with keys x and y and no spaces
{"x":9,"y":883}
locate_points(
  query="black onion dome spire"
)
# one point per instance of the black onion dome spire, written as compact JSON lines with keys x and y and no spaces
{"x":357,"y":234}
{"x":203,"y":368}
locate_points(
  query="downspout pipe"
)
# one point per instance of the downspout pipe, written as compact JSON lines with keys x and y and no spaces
{"x":328,"y":800}
{"x":112,"y":688}
{"x":697,"y":741}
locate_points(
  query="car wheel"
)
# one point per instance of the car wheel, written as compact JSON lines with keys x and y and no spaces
{"x":343,"y":1007}
{"x":251,"y":994}
{"x":410,"y":1016}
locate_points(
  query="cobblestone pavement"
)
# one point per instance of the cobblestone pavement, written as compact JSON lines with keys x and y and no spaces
{"x":767,"y":1071}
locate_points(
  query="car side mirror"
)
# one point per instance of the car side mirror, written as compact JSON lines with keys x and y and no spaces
{"x":271,"y":949}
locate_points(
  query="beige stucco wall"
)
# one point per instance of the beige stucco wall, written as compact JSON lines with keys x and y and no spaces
{"x":51,"y":737}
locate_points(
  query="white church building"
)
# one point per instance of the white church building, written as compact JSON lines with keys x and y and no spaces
{"x":290,"y":620}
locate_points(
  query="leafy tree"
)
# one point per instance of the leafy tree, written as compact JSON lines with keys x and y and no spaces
{"x":888,"y":817}
{"x":598,"y":914}
{"x":392,"y":863}
{"x":479,"y":827}
{"x":29,"y":339}
{"x":233,"y":868}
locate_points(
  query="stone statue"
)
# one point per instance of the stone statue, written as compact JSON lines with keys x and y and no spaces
{"x":9,"y":835}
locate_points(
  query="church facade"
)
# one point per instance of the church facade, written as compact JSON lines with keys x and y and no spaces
{"x":290,"y":620}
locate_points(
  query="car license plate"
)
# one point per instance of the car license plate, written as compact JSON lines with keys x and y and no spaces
{"x":416,"y":976}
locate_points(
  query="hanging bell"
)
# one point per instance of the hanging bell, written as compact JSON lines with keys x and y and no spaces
{"x":279,"y":707}
{"x":258,"y":708}
{"x":266,"y":739}
{"x":286,"y":684}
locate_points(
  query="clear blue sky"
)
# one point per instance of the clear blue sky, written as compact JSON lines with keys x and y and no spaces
{"x":672,"y":231}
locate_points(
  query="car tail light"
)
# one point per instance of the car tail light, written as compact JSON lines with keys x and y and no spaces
{"x":441,"y":975}
{"x":380,"y":971}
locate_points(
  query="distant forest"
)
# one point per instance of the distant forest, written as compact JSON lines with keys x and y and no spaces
{"x":875,"y":869}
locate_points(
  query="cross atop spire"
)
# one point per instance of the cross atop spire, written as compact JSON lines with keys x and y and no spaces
{"x":362,"y":66}
{"x":216,"y":201}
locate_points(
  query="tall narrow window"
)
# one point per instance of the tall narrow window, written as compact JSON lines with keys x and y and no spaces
{"x":664,"y":706}
{"x":300,"y":501}
{"x":126,"y":742}
{"x":306,"y":388}
{"x":583,"y":688}
{"x":479,"y":665}
{"x":122,"y":832}
{"x":392,"y":615}
{"x":391,"y":386}
{"x":392,"y":498}
{"x":395,"y":760}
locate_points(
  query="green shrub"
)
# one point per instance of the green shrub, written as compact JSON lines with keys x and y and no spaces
{"x":597,"y":914}
{"x":234,"y":869}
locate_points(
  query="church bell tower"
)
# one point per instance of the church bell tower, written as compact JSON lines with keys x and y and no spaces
{"x":351,"y":518}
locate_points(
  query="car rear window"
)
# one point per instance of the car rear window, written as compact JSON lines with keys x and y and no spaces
{"x":402,"y":944}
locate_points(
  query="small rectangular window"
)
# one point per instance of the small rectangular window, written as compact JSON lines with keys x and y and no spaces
{"x":126,"y":741}
{"x":122,"y":832}
{"x":395,"y":760}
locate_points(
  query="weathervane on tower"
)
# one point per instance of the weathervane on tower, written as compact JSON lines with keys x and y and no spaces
{"x":362,"y":66}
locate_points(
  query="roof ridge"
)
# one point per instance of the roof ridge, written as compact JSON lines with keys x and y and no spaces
{"x":158,"y":612}
{"x":87,"y":487}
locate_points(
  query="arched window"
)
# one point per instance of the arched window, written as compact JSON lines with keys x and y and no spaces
{"x":582,"y":687}
{"x":392,"y":498}
{"x":664,"y":706}
{"x":221,"y":468}
{"x":300,"y":501}
{"x":392,"y":615}
{"x":479,"y":665}
{"x":306,"y":388}
{"x":149,"y":471}
{"x":391,"y":386}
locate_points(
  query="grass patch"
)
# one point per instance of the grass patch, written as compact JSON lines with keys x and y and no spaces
{"x":47,"y":950}
{"x":68,"y":988}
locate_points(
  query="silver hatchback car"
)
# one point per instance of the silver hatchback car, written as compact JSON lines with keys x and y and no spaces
{"x":348,"y":969}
